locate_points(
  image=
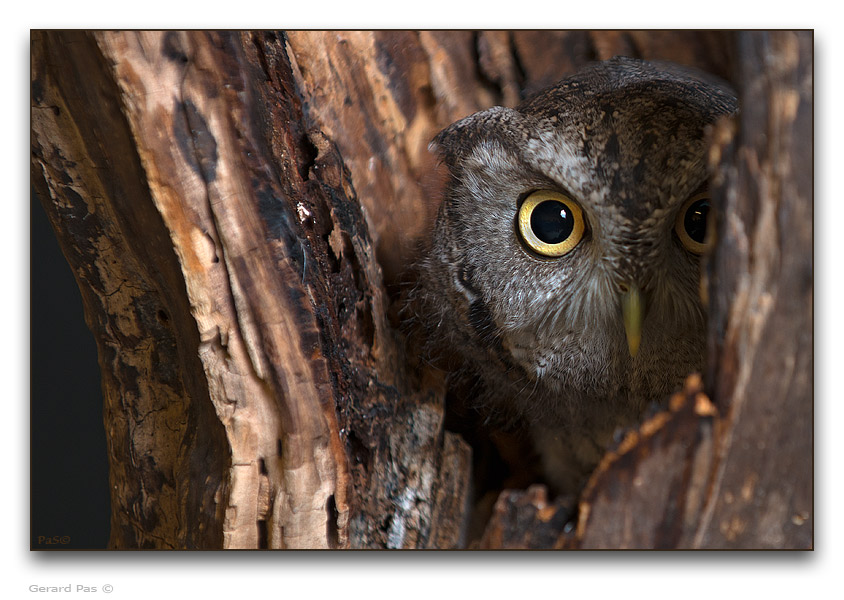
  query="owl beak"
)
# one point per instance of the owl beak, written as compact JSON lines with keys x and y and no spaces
{"x":633,"y":312}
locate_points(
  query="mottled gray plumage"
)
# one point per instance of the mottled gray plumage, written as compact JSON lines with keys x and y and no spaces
{"x":624,"y":139}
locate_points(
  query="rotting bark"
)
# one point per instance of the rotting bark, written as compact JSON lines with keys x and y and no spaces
{"x":240,"y":211}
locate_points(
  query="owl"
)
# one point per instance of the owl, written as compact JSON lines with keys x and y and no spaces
{"x":563,"y":272}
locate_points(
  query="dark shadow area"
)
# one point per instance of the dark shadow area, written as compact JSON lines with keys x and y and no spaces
{"x":69,"y":496}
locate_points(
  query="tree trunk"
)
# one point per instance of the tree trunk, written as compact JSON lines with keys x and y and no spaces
{"x":241,"y":211}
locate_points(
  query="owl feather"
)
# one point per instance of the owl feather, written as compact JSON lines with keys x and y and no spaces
{"x":574,"y":338}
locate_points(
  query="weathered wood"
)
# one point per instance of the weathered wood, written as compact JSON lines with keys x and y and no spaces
{"x":187,"y":104}
{"x":162,"y":438}
{"x":274,"y":303}
{"x":650,"y":491}
{"x":761,"y":290}
{"x":241,"y":211}
{"x":527,"y":520}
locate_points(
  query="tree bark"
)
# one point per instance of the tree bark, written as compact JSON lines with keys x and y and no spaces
{"x":241,"y":211}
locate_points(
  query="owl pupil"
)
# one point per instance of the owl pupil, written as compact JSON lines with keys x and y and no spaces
{"x":552,"y":222}
{"x":695,"y":220}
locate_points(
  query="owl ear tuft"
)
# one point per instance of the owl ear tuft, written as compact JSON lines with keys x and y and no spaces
{"x":459,"y":138}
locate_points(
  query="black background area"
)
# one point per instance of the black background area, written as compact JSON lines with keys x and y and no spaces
{"x":69,"y":496}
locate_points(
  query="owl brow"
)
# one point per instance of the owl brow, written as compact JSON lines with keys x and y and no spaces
{"x":552,"y":159}
{"x":546,"y":184}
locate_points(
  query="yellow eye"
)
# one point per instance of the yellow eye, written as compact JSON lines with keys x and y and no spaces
{"x":550,"y":224}
{"x":692,"y":222}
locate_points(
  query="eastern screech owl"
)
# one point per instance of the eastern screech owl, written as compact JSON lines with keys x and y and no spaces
{"x":564,"y":266}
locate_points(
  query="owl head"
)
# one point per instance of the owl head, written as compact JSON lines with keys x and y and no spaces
{"x":565,"y":261}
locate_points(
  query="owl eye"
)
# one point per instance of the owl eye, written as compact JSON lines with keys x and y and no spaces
{"x":692,"y":221}
{"x":550,"y":224}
